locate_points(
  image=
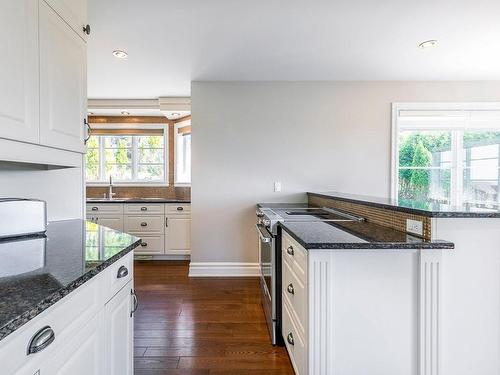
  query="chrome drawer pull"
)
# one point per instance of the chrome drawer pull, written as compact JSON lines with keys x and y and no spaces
{"x":144,"y":244}
{"x":180,"y":208}
{"x":290,"y":289}
{"x":289,"y":338}
{"x":122,"y":272}
{"x":144,"y":208}
{"x":41,"y":340}
{"x":136,"y":302}
{"x":289,"y":250}
{"x":95,"y":208}
{"x":144,"y":224}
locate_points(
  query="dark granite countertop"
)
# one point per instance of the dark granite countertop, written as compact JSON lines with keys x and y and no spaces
{"x":36,"y":272}
{"x":428,"y":209}
{"x":355,"y":235}
{"x":137,"y":200}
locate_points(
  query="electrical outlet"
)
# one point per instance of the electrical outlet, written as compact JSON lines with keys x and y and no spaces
{"x":415,"y":227}
{"x":277,"y":186}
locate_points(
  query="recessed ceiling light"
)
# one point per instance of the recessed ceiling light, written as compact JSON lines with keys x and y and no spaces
{"x":90,"y":113}
{"x":125,"y":113}
{"x":428,"y":43}
{"x":119,"y":53}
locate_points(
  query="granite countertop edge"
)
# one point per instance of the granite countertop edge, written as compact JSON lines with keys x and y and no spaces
{"x":375,"y":245}
{"x":139,"y":200}
{"x":52,"y":299}
{"x":417,"y":211}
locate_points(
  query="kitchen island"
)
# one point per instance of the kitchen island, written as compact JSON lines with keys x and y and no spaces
{"x":368,"y":298}
{"x":67,"y":301}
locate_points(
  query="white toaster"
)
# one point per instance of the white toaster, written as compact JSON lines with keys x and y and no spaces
{"x":22,"y":217}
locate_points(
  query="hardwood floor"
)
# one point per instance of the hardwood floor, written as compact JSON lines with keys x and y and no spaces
{"x":201,"y":326}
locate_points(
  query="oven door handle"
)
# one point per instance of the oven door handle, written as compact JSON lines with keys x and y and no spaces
{"x":262,"y":233}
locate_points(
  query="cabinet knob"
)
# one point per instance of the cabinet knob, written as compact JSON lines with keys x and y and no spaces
{"x":86,"y":29}
{"x":289,"y":250}
{"x":290,"y":340}
{"x":290,"y":289}
{"x":144,"y":224}
{"x":122,"y":272}
{"x":40,"y":340}
{"x":144,"y":208}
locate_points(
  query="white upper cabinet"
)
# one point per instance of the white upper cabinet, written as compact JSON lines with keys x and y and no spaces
{"x":63,"y":79}
{"x":19,"y":70}
{"x":74,"y":12}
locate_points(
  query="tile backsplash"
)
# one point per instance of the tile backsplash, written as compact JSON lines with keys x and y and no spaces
{"x":167,"y":192}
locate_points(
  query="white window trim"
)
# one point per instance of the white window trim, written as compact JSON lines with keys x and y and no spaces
{"x":419,"y":106}
{"x":177,"y":126}
{"x":133,"y":183}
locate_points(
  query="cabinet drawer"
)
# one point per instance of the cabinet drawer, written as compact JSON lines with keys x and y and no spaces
{"x":294,"y":293}
{"x":111,"y":221}
{"x":104,"y":208}
{"x":298,"y":350}
{"x":179,"y":209}
{"x":295,"y":255}
{"x":144,"y":224}
{"x":151,"y":245}
{"x":65,"y":317}
{"x":144,"y":209}
{"x":119,"y":274}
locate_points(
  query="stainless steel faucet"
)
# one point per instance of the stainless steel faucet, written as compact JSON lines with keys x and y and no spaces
{"x":110,"y":188}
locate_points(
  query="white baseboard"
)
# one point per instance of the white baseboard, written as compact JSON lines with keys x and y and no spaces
{"x":223,"y":269}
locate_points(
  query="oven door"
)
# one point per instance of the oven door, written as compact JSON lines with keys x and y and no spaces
{"x":266,"y":263}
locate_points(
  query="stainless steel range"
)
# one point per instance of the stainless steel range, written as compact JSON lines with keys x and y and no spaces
{"x":268,"y":217}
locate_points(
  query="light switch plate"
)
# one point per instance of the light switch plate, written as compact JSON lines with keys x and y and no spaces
{"x":415,"y":227}
{"x":277,"y":186}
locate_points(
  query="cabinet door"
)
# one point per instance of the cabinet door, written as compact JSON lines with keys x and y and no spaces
{"x":84,"y":354}
{"x":120,"y":333}
{"x":113,"y":222}
{"x":63,"y":83}
{"x":19,"y":73}
{"x":74,"y":12}
{"x":178,"y":236}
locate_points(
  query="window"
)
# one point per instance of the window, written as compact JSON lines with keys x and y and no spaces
{"x":126,"y":158}
{"x":447,"y":153}
{"x":182,"y":154}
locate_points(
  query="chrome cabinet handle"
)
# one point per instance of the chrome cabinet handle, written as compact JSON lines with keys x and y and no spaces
{"x":95,"y":208}
{"x":289,"y":250}
{"x":89,"y":131}
{"x":180,"y":208}
{"x":144,"y":224}
{"x":144,"y":208}
{"x":290,"y":340}
{"x":41,"y":340}
{"x":290,"y":289}
{"x":144,"y":244}
{"x":122,"y":272}
{"x":136,"y":302}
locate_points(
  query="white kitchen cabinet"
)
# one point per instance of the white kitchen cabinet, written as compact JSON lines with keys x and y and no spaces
{"x":150,"y":245}
{"x":83,"y":354}
{"x":63,"y":83}
{"x":74,"y":13}
{"x":178,"y":235}
{"x":19,"y":73}
{"x":111,"y":221}
{"x":120,"y":332}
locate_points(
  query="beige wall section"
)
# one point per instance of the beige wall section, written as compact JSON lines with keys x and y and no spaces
{"x":308,"y":135}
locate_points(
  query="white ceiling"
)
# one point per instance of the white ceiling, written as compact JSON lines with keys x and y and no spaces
{"x":171,"y":43}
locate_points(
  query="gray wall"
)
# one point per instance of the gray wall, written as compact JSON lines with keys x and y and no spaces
{"x":308,"y":135}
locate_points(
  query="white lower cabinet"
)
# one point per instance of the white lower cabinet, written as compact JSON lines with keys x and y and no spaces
{"x":111,"y":221}
{"x":92,"y":330}
{"x":120,"y":333}
{"x":84,"y":353}
{"x":178,"y":235}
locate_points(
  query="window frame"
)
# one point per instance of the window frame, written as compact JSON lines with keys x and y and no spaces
{"x":178,"y":126}
{"x":456,"y":183}
{"x":163,"y":183}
